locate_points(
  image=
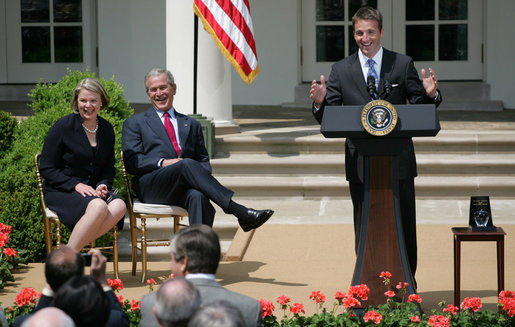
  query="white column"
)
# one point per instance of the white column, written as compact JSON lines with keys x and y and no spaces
{"x":214,"y":97}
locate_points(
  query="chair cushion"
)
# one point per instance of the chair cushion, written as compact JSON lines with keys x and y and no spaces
{"x":152,"y":208}
{"x":50,"y":214}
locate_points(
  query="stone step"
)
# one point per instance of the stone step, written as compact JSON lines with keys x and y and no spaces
{"x":330,"y":164}
{"x":315,"y":187}
{"x":309,"y":140}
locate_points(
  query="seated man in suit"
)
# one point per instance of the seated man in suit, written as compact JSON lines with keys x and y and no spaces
{"x":165,"y":152}
{"x":195,"y":253}
{"x":176,"y":302}
{"x":64,"y":263}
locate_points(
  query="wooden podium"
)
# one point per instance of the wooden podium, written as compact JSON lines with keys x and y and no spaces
{"x":381,"y":244}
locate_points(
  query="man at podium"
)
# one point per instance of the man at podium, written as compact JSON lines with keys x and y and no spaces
{"x":360,"y":78}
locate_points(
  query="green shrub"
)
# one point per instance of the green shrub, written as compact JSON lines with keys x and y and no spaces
{"x":19,"y":197}
{"x":7,"y":127}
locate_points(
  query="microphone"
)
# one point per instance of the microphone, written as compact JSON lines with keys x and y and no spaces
{"x":387,"y":89}
{"x":371,"y":86}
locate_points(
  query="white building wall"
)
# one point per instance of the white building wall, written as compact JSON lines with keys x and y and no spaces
{"x":131,"y":41}
{"x":499,"y":51}
{"x":276,"y":34}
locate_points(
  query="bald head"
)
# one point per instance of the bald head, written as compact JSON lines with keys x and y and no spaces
{"x":49,"y":317}
{"x":176,"y":301}
{"x":62,"y":264}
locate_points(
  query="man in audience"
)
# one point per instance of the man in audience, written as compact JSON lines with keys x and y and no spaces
{"x":195,"y":253}
{"x":217,"y":314}
{"x":176,"y":302}
{"x":49,"y":317}
{"x":64,"y":263}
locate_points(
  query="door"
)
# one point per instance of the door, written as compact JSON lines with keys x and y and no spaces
{"x":327,"y":34}
{"x":45,"y":37}
{"x":443,"y":34}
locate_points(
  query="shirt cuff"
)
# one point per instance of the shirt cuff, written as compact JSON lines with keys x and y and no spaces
{"x":48,"y":292}
{"x":159,"y":163}
{"x":107,"y":288}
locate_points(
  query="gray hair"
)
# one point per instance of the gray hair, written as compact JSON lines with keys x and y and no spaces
{"x":217,"y":314}
{"x":158,"y":71}
{"x":176,"y":302}
{"x":49,"y":317}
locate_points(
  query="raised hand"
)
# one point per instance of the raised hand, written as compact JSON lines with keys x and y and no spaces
{"x":318,"y":91}
{"x":430,"y":82}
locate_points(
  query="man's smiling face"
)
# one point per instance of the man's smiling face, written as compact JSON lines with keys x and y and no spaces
{"x":368,"y":36}
{"x":160,"y":92}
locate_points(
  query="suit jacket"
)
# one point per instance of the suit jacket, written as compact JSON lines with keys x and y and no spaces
{"x":68,"y":159}
{"x":117,"y":318}
{"x":346,"y":86}
{"x":210,"y":291}
{"x":145,"y":142}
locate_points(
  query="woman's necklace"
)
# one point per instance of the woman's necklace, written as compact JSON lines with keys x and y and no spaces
{"x":92,"y":131}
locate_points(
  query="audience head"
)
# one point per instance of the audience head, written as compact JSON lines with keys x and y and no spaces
{"x":176,"y":301}
{"x":92,"y":85}
{"x":195,"y":249}
{"x":368,"y":13}
{"x":62,"y":264}
{"x":217,"y":314}
{"x":49,"y":317}
{"x":84,"y":300}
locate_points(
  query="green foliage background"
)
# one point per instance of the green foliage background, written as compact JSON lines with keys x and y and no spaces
{"x":19,"y":197}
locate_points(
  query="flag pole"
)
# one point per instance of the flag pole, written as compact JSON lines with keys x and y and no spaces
{"x":195,"y":61}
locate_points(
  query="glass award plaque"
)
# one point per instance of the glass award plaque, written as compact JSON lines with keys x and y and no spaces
{"x":480,"y":217}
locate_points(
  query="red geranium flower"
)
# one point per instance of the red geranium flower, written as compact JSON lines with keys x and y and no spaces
{"x":389,"y":293}
{"x":135,"y":305}
{"x":317,"y":297}
{"x":10,"y":252}
{"x":451,"y":309}
{"x":438,"y":321}
{"x":351,"y":302}
{"x":120,"y":299}
{"x":373,"y":316}
{"x":26,"y":297}
{"x":116,"y":284}
{"x":283,"y":300}
{"x":472,"y":303}
{"x":507,"y":302}
{"x":4,"y":239}
{"x":360,"y":291}
{"x":297,"y":308}
{"x":339,"y":296}
{"x":267,"y":308}
{"x":414,"y":298}
{"x":6,"y":229}
{"x":402,"y":285}
{"x":415,"y":319}
{"x":385,"y":274}
{"x":151,"y":281}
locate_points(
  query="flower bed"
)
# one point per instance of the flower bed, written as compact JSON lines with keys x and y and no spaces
{"x":344,"y":310}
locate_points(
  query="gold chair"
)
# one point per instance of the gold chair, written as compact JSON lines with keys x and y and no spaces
{"x":50,"y":218}
{"x":142,"y":211}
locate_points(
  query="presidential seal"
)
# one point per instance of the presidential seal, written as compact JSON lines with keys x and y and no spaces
{"x":379,"y":117}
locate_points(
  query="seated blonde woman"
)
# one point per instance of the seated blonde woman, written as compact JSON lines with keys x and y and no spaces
{"x":77,"y":164}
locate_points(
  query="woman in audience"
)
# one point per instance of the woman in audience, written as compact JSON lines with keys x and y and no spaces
{"x":77,"y":164}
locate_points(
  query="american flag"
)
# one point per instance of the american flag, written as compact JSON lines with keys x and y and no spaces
{"x":230,"y":25}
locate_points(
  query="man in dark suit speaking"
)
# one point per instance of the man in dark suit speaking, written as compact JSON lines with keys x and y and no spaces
{"x":165,"y":152}
{"x":347,"y":85}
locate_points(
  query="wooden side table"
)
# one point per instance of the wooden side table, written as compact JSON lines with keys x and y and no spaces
{"x":465,"y":234}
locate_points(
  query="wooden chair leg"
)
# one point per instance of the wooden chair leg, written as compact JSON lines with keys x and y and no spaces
{"x":143,"y":249}
{"x":134,"y":243}
{"x":48,"y":235}
{"x":115,"y":252}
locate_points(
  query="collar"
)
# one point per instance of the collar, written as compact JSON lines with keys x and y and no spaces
{"x":378,"y":58}
{"x":200,"y":276}
{"x":161,"y":113}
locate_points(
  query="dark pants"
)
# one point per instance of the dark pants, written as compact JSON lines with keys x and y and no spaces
{"x":186,"y":184}
{"x":408,"y":216}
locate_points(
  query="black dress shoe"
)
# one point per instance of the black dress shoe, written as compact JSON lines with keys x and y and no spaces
{"x":254,"y":219}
